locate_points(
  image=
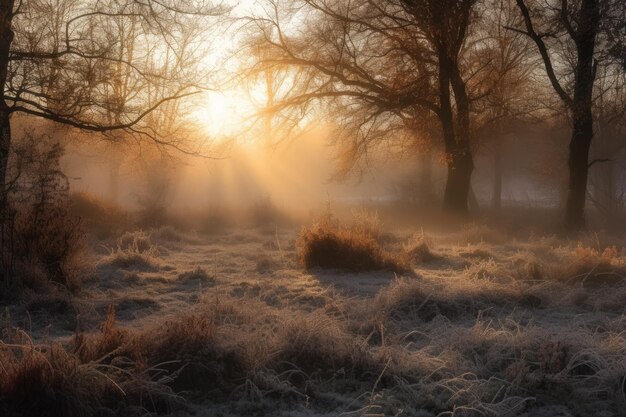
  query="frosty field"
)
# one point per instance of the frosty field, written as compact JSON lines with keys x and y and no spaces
{"x":231,"y":324}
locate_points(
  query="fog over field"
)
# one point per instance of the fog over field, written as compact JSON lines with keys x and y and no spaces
{"x":312,"y":208}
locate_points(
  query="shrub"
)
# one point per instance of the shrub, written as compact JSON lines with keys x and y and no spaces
{"x":47,"y":237}
{"x":328,"y":244}
{"x":40,"y":240}
{"x":101,"y":218}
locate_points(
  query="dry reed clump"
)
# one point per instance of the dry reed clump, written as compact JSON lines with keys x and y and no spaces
{"x":528,"y":267}
{"x":328,"y":244}
{"x":410,"y":300}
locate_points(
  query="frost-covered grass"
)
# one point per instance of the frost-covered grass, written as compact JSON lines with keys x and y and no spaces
{"x":233,"y":325}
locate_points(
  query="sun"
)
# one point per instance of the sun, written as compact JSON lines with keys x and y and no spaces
{"x":220,"y":113}
{"x":225,"y":113}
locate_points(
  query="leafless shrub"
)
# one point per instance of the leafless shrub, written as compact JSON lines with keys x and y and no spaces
{"x":38,"y":231}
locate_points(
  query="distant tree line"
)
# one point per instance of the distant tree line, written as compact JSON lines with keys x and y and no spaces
{"x":385,"y":70}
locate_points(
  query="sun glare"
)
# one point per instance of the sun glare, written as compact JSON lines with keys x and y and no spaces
{"x":221,"y":113}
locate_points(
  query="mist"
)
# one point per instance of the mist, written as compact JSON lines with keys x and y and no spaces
{"x":312,"y":208}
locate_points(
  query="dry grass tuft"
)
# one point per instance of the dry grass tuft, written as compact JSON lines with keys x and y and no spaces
{"x":134,"y":259}
{"x":317,"y":343}
{"x":138,"y":241}
{"x":197,"y":274}
{"x":135,"y":251}
{"x":328,"y":244}
{"x":418,"y":249}
{"x":596,"y":267}
{"x":49,"y":381}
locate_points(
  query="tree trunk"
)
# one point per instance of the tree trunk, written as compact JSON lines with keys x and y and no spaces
{"x":496,"y":196}
{"x":426,"y":189}
{"x":578,"y":164}
{"x":458,"y":151}
{"x":6,"y":38}
{"x":582,"y":132}
{"x":5,"y":146}
{"x":460,"y":167}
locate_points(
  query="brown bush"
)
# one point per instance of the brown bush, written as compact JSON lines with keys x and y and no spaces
{"x":40,"y":240}
{"x":101,"y":218}
{"x":328,"y":244}
{"x":46,"y":244}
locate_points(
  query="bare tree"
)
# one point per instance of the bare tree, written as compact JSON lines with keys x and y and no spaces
{"x":371,"y":66}
{"x":606,"y":189}
{"x":80,"y":72}
{"x":572,"y":41}
{"x":445,"y":26}
{"x":511,"y":97}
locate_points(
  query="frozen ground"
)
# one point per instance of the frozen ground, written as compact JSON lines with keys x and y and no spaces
{"x":485,"y":325}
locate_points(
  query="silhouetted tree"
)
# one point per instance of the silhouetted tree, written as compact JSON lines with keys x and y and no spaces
{"x":73,"y":67}
{"x":445,"y":25}
{"x":573,"y":37}
{"x":511,"y":98}
{"x":371,"y":66}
